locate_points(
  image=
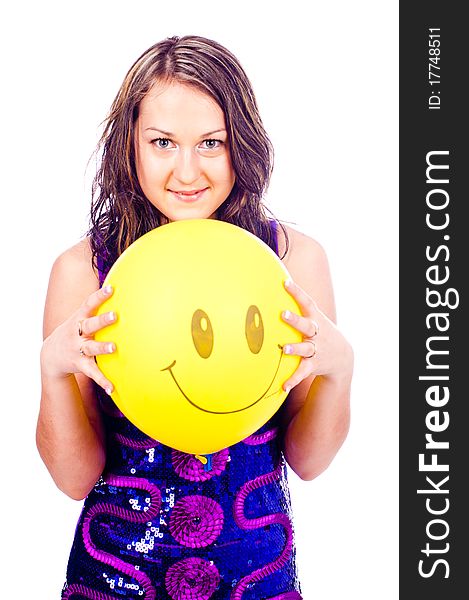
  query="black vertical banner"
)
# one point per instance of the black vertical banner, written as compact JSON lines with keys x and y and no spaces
{"x":434,"y":321}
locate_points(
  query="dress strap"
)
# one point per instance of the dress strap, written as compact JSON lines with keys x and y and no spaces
{"x":273,"y":225}
{"x":101,"y":273}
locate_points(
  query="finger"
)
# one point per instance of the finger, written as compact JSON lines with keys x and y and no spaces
{"x":304,"y":300}
{"x":92,"y":348}
{"x":91,"y":325}
{"x":303,"y":371}
{"x":91,"y":370}
{"x":305,"y":349}
{"x":94,"y":300}
{"x":307,"y":326}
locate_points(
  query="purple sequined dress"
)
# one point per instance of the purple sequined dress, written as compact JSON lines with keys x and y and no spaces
{"x":160,"y":524}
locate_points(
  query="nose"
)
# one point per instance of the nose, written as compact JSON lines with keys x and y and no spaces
{"x":187,"y":167}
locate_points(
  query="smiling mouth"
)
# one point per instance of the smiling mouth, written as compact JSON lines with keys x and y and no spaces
{"x":189,"y":196}
{"x":228,"y":412}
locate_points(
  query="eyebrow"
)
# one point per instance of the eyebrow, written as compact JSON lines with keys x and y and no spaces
{"x":169,"y":134}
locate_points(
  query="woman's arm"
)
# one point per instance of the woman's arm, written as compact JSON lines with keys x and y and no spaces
{"x":317,"y":409}
{"x":69,"y":433}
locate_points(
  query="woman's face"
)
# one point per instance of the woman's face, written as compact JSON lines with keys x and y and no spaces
{"x":182,"y":156}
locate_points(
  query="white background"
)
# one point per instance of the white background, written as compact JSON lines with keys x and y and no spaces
{"x":325,"y":76}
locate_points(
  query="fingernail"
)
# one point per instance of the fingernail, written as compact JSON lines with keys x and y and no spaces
{"x":287,"y":349}
{"x":107,"y":289}
{"x":287,"y":389}
{"x":286,"y":314}
{"x":111,"y":316}
{"x":108,"y":390}
{"x":109,"y":348}
{"x":288,"y":282}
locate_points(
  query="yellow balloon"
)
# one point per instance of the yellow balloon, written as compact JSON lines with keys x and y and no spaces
{"x":199,"y":335}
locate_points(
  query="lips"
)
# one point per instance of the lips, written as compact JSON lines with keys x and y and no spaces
{"x":188,"y":192}
{"x":188,"y":195}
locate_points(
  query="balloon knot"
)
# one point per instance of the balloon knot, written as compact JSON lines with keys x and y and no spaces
{"x":206,"y":460}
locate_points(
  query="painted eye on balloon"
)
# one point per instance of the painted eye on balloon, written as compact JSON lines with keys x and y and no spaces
{"x":202,"y":333}
{"x":254,"y":329}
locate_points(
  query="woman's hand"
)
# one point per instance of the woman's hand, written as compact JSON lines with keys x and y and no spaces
{"x":71,"y":347}
{"x":324,"y":349}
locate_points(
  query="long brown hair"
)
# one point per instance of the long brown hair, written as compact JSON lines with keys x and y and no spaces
{"x":120,"y":212}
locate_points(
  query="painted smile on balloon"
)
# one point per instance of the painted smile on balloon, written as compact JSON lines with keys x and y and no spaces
{"x":228,"y":412}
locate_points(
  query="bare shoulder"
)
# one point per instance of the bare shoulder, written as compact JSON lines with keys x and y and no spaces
{"x":72,"y":279}
{"x":299,"y":245}
{"x":76,"y":257}
{"x":306,"y":261}
{"x":74,"y":268}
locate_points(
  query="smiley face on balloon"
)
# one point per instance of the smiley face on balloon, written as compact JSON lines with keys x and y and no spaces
{"x":203,"y":338}
{"x":198,"y":363}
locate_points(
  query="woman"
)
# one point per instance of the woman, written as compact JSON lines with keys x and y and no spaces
{"x":183,"y":140}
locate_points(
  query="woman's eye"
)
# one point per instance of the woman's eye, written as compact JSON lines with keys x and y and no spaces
{"x":212,"y":144}
{"x":162,"y":143}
